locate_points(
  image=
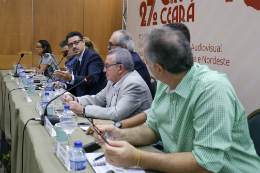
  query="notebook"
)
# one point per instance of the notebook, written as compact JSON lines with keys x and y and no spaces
{"x":101,"y":166}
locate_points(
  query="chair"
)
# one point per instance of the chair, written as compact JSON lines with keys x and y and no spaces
{"x":254,"y":129}
{"x":153,"y":86}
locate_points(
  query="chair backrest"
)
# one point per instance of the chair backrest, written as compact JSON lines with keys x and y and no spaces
{"x":153,"y":86}
{"x":254,"y":129}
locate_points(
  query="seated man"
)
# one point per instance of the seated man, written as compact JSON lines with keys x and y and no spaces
{"x":88,"y":62}
{"x":71,"y":58}
{"x":122,"y":39}
{"x":141,"y":118}
{"x":195,"y":112}
{"x":125,"y":95}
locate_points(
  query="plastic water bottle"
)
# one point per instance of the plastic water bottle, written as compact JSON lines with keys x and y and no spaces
{"x":45,"y":100}
{"x":49,"y":89}
{"x":24,"y":79}
{"x":66,"y":113}
{"x":18,"y":68}
{"x":20,"y":71}
{"x":78,"y":159}
{"x":31,"y":87}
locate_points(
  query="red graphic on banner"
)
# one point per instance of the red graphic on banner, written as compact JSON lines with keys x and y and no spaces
{"x":250,"y":3}
{"x":253,"y":3}
{"x":176,"y":13}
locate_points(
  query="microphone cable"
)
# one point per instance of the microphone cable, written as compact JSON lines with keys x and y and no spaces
{"x":10,"y":109}
{"x":36,"y":119}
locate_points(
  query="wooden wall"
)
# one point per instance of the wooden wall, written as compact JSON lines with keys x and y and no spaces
{"x":23,"y":23}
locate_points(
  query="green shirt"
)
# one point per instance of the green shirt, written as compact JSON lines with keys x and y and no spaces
{"x":204,"y":116}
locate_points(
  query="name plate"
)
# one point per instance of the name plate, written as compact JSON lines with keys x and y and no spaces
{"x":26,"y":97}
{"x":38,"y":108}
{"x":62,"y":155}
{"x":48,"y":126}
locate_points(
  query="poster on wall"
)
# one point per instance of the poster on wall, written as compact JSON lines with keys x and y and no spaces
{"x":225,"y":36}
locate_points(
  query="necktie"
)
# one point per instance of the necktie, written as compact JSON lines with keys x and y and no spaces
{"x":77,"y":67}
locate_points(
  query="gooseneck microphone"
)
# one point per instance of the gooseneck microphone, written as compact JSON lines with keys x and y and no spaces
{"x":54,"y":119}
{"x":64,"y":56}
{"x":16,"y":74}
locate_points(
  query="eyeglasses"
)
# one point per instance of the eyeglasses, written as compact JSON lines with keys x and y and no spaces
{"x":38,"y":47}
{"x":75,"y":42}
{"x":111,"y":44}
{"x":107,"y":66}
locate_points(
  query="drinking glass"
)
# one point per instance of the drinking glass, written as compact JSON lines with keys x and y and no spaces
{"x":44,"y":80}
{"x":69,"y":126}
{"x":14,"y":64}
{"x":33,"y":71}
{"x":24,"y":66}
{"x":40,"y":73}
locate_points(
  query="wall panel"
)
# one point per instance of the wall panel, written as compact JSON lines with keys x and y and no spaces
{"x":53,"y":20}
{"x":101,"y":19}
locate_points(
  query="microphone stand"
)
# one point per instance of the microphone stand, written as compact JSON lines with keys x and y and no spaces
{"x":53,"y":118}
{"x":64,"y":55}
{"x":16,"y":74}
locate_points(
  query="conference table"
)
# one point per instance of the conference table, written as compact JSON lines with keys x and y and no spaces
{"x":38,"y":150}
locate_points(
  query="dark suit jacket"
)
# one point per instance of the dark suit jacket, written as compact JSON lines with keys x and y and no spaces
{"x":91,"y":63}
{"x":141,"y":68}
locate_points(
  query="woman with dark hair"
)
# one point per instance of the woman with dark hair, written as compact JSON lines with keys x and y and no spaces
{"x":48,"y":62}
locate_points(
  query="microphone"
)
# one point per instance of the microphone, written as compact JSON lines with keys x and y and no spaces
{"x":53,"y":118}
{"x":16,"y":74}
{"x":64,"y":56}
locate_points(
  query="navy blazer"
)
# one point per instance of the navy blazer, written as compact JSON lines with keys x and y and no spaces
{"x":91,"y":63}
{"x":141,"y":68}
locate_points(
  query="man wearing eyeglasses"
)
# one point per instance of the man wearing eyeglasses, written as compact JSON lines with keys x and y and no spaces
{"x":71,"y":58}
{"x":88,"y":62}
{"x":122,"y":39}
{"x":125,"y":95}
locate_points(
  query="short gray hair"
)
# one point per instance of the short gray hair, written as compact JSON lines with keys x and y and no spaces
{"x":125,"y":39}
{"x":168,"y":48}
{"x":124,"y":57}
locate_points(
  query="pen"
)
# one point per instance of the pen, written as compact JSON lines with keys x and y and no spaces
{"x":99,"y":157}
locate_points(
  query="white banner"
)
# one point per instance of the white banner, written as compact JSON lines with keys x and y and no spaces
{"x":225,"y":35}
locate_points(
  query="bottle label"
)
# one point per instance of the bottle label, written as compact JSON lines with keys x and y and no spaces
{"x":76,"y":166}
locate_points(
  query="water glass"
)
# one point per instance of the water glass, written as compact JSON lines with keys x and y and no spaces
{"x":24,"y":66}
{"x":33,"y":71}
{"x":44,"y":80}
{"x":69,"y":127}
{"x":40,"y":73}
{"x":14,"y":64}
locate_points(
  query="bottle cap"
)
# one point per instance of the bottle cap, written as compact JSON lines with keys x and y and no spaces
{"x":30,"y":77}
{"x":77,"y":144}
{"x":46,"y":94}
{"x":67,"y":107}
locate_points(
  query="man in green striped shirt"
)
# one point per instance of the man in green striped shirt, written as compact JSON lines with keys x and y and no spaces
{"x":195,"y":113}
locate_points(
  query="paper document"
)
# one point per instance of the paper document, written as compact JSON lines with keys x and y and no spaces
{"x":101,"y":166}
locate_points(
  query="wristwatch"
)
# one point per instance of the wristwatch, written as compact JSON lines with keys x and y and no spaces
{"x":118,"y":124}
{"x":83,"y":113}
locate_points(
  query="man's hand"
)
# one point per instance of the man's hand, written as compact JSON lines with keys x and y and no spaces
{"x":120,"y":154}
{"x":114,"y":132}
{"x":76,"y":107}
{"x":66,"y":98}
{"x":99,"y":122}
{"x":64,"y":75}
